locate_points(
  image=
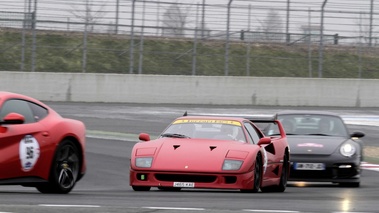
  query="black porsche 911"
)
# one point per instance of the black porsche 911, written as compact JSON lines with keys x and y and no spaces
{"x":321,"y":147}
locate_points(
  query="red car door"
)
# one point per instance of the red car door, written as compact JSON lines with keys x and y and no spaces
{"x":20,"y":144}
{"x":20,"y":148}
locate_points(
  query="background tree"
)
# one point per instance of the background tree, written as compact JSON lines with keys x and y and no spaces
{"x":174,"y":20}
{"x":90,"y":14}
{"x":363,"y":24}
{"x":271,"y":27}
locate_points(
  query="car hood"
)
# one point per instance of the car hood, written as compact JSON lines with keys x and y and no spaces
{"x":314,"y":145}
{"x":193,"y":155}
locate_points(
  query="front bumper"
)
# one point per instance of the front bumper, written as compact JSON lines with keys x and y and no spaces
{"x":336,"y":170}
{"x":199,"y":180}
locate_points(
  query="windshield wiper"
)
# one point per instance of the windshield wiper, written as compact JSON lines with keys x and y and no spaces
{"x":174,"y":135}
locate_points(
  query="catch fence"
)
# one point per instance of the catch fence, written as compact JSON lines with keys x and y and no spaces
{"x":282,"y":38}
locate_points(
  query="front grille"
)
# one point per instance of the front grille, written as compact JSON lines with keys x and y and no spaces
{"x":310,"y":174}
{"x":230,"y":179}
{"x":329,"y":173}
{"x":346,"y":172}
{"x":186,"y":178}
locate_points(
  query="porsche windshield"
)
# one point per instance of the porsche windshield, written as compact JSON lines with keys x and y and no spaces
{"x":312,"y":124}
{"x":206,"y":129}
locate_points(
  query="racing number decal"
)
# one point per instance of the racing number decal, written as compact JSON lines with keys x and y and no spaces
{"x":29,"y":152}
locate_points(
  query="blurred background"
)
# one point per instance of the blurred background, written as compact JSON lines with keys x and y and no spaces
{"x":278,"y":38}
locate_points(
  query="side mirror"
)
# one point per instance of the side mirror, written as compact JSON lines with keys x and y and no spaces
{"x":13,"y":118}
{"x":357,"y":135}
{"x":264,"y":140}
{"x":144,"y":137}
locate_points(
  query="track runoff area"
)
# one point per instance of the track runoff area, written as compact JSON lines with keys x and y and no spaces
{"x":364,"y":120}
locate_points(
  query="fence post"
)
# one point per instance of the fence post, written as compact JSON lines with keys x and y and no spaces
{"x":140,"y":62}
{"x":371,"y":18}
{"x":84,"y":59}
{"x":242,"y":35}
{"x":227,"y":40}
{"x":336,"y":39}
{"x":34,"y":25}
{"x":131,"y":59}
{"x":320,"y":60}
{"x":288,"y":39}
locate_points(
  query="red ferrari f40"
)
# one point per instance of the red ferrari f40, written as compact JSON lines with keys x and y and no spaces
{"x":211,"y":152}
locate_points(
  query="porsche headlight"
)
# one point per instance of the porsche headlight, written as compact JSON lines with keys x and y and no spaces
{"x":348,"y":149}
{"x":232,"y":164}
{"x":144,"y":162}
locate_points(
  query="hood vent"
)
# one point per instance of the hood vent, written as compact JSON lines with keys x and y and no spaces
{"x":212,"y":147}
{"x":176,"y":146}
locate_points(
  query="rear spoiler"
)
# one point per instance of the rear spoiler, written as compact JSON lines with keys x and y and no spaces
{"x":266,"y":121}
{"x":253,"y":118}
{"x":263,"y":119}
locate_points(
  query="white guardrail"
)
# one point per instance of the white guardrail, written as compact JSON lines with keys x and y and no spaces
{"x":176,"y":89}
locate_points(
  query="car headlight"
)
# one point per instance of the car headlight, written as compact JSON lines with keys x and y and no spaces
{"x":348,"y":149}
{"x":144,"y":162}
{"x":232,"y":164}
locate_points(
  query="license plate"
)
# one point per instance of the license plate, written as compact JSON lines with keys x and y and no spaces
{"x":184,"y":184}
{"x":309,"y":166}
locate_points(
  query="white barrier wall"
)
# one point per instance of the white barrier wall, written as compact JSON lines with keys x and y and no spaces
{"x":219,"y":90}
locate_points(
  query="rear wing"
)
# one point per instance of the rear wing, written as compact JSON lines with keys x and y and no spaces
{"x":269,"y":125}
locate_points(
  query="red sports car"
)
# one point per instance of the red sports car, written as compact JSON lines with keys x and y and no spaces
{"x":39,"y":148}
{"x":213,"y":153}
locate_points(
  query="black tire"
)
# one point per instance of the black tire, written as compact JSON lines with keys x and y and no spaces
{"x":64,"y":169}
{"x":283,"y":179}
{"x":141,"y":188}
{"x":257,"y":176}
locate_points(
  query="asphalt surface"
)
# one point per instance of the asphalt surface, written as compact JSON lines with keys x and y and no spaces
{"x":112,"y":132}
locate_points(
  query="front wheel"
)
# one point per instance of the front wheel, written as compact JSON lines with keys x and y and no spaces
{"x":257,"y":175}
{"x":283,"y":179}
{"x":64,"y":170}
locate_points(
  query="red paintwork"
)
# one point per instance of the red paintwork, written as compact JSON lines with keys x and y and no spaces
{"x":194,"y":157}
{"x":49,"y":132}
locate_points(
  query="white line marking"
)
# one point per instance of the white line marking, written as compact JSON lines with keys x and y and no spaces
{"x":174,"y":208}
{"x":352,"y":212}
{"x":75,"y":206}
{"x":261,"y":210}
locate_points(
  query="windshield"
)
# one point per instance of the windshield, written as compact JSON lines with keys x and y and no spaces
{"x":206,"y":129}
{"x":311,"y":124}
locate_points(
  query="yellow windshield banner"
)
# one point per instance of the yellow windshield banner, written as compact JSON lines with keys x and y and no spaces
{"x":230,"y":122}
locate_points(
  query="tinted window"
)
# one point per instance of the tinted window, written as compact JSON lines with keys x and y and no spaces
{"x":39,"y":112}
{"x":18,"y":106}
{"x":252,"y":133}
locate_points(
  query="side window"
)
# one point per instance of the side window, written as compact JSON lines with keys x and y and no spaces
{"x":17,"y":106}
{"x":254,"y":136}
{"x":39,"y":112}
